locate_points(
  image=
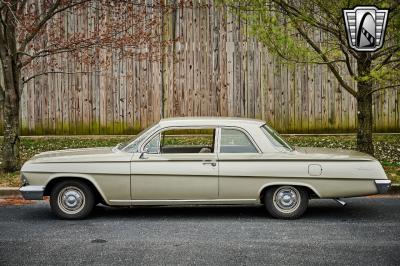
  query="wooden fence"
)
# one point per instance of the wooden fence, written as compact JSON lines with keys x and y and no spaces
{"x":215,"y":69}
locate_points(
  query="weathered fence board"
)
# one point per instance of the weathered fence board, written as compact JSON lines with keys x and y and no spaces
{"x":215,"y":68}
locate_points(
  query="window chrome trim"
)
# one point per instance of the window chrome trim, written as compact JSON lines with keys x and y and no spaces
{"x":151,"y":129}
{"x":287,"y":146}
{"x":243,"y":131}
{"x":217,"y":141}
{"x":150,"y":139}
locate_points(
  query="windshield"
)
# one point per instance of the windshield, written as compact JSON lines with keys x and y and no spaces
{"x":132,"y":145}
{"x":275,"y":138}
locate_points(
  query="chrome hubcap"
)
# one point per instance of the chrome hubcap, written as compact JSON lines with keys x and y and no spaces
{"x":286,"y":199}
{"x":71,"y":200}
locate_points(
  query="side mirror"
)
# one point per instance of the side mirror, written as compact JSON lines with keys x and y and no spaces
{"x":142,"y":155}
{"x":146,"y":151}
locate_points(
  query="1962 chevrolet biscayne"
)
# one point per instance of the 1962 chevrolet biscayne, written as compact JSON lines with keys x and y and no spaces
{"x":200,"y":161}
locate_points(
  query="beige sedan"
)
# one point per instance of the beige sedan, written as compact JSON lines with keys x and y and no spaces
{"x":200,"y":161}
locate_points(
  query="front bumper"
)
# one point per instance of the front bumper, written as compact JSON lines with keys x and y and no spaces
{"x":32,"y":192}
{"x":383,"y":185}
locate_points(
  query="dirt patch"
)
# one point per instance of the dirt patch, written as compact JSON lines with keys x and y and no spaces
{"x":379,"y":196}
{"x":4,"y":202}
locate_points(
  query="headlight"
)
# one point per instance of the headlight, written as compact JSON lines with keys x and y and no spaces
{"x":24,"y":180}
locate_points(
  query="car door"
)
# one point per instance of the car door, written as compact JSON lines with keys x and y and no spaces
{"x":171,"y":171}
{"x":238,"y":158}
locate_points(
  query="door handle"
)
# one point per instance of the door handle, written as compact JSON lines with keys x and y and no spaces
{"x":210,"y":163}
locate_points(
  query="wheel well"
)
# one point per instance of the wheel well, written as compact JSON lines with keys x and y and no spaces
{"x":311,"y":193}
{"x":53,"y":182}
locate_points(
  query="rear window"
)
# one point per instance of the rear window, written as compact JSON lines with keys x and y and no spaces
{"x":275,"y":138}
{"x":235,"y":141}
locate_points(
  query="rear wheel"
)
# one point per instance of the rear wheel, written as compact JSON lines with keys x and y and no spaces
{"x":72,"y":200}
{"x":286,"y":202}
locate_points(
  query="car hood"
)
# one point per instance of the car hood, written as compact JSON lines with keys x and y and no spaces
{"x":73,"y":152}
{"x":103,"y":154}
{"x":332,"y":154}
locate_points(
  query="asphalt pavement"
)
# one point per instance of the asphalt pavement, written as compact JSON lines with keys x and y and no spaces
{"x":365,"y":232}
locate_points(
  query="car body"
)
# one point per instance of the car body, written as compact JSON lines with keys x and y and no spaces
{"x":201,"y":161}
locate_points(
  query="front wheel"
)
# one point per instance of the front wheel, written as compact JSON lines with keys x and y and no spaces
{"x":286,"y":202}
{"x":71,"y":200}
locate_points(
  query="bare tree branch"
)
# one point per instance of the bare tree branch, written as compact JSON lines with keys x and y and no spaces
{"x":386,"y":51}
{"x":387,"y":60}
{"x":343,"y":44}
{"x":56,"y":72}
{"x":393,"y":61}
{"x":2,"y":94}
{"x":396,"y":86}
{"x":348,"y":63}
{"x":53,"y":10}
{"x":39,"y":25}
{"x":284,"y":57}
{"x":22,"y":4}
{"x":332,"y":66}
{"x":315,"y":23}
{"x":10,"y":10}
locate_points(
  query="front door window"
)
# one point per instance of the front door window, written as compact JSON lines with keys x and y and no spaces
{"x":187,"y":141}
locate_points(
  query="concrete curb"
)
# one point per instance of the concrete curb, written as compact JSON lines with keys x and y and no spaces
{"x":10,"y":193}
{"x":394,"y":189}
{"x":13,"y":192}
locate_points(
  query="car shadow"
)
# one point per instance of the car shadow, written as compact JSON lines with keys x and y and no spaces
{"x":317,"y":210}
{"x":179,"y":212}
{"x":323,"y":209}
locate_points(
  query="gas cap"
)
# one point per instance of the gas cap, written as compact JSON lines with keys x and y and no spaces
{"x":314,"y":169}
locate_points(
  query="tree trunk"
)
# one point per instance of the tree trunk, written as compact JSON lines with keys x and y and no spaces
{"x":11,"y":76}
{"x":364,"y":130}
{"x":364,"y":106}
{"x":11,"y":116}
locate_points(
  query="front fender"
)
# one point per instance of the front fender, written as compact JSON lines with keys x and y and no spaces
{"x":89,"y":178}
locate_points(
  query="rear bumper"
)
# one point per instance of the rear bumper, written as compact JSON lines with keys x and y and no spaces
{"x":32,"y":192}
{"x":383,"y":185}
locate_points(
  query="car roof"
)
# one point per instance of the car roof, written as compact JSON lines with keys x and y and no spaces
{"x":209,"y":121}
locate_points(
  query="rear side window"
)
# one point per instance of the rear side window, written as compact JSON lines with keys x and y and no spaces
{"x":235,"y":141}
{"x":275,"y":138}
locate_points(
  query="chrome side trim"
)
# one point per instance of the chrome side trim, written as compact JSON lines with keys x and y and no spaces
{"x":382,"y":185}
{"x":188,"y":202}
{"x":293,"y":160}
{"x":32,"y":192}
